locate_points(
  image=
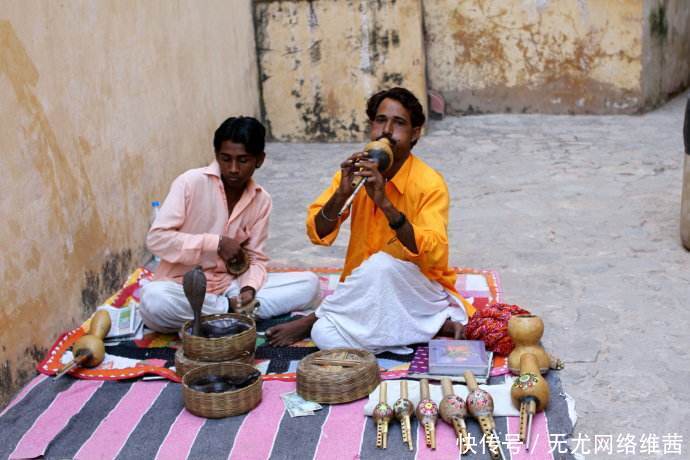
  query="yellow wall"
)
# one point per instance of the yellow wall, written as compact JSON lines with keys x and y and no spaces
{"x":103,"y":104}
{"x":666,"y":51}
{"x":320,"y":61}
{"x":560,"y":56}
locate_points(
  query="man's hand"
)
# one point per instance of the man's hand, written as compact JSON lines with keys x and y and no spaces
{"x":247,"y":294}
{"x":228,"y":248}
{"x":376,"y":185}
{"x":347,"y":173}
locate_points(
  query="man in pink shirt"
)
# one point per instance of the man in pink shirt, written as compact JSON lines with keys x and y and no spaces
{"x":210,"y":216}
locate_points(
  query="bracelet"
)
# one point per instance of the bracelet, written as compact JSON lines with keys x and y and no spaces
{"x":220,"y":239}
{"x":398,"y":223}
{"x":323,"y":214}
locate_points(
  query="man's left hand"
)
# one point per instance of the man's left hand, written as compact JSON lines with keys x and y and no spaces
{"x":376,"y":184}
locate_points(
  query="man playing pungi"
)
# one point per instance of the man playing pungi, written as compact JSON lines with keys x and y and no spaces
{"x":396,"y":287}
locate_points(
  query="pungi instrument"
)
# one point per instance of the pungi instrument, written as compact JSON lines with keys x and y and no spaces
{"x":526,"y":332}
{"x":530,"y":393}
{"x":481,"y":405}
{"x":427,"y":414}
{"x":403,"y":410}
{"x":453,"y":411}
{"x":89,"y":350}
{"x":379,"y":151}
{"x":383,"y":413}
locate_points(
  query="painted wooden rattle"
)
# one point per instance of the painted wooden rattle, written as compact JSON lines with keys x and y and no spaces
{"x":427,"y":414}
{"x":453,"y":411}
{"x":530,"y":393}
{"x":481,"y":405}
{"x":403,"y":410}
{"x":383,"y":413}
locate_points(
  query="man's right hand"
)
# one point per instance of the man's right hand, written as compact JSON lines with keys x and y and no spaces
{"x":347,"y":174}
{"x":229,"y":248}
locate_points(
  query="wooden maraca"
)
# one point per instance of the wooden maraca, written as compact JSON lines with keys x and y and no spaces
{"x":381,"y":152}
{"x":526,"y":332}
{"x":383,"y":413}
{"x":427,"y":414}
{"x":453,"y":411}
{"x":89,"y":350}
{"x":481,"y":405}
{"x":530,"y":393}
{"x":403,"y":410}
{"x":194,"y":286}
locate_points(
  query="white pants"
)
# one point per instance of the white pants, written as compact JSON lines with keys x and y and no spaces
{"x":165,"y":308}
{"x":385,"y":304}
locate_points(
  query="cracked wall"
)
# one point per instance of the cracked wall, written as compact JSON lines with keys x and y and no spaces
{"x":548,"y":56}
{"x":103,"y":104}
{"x":319,"y":61}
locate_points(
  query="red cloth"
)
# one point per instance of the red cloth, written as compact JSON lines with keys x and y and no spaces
{"x":490,"y":324}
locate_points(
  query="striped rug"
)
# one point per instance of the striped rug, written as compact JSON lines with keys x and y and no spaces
{"x":88,"y":419}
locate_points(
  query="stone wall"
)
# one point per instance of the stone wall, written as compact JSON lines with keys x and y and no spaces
{"x":103,"y":104}
{"x":319,"y":61}
{"x":666,"y":50}
{"x":558,"y":56}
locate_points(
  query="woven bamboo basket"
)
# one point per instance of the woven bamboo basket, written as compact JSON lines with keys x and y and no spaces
{"x":219,"y":405}
{"x":337,"y":376}
{"x":184,"y":364}
{"x":219,"y":349}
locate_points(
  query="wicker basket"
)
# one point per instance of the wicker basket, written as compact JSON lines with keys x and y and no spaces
{"x":337,"y":376}
{"x":219,"y":349}
{"x":184,"y":364}
{"x":218,"y":405}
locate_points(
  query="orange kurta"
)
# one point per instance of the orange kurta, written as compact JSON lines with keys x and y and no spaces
{"x":419,"y":192}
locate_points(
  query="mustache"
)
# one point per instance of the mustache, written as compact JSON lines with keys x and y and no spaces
{"x":389,"y":138}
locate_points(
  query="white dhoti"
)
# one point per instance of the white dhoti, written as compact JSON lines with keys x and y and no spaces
{"x":385,"y":304}
{"x":165,"y":308}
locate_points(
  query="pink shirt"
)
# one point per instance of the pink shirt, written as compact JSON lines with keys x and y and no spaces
{"x":191,"y":220}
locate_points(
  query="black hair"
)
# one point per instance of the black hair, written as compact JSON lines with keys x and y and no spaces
{"x":402,"y":95}
{"x":247,"y":131}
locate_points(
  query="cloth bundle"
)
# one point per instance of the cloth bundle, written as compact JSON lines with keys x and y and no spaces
{"x":490,"y":324}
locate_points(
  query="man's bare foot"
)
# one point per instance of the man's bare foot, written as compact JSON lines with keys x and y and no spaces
{"x":288,"y":333}
{"x":452,"y":329}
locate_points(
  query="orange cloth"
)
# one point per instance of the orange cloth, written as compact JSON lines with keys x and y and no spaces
{"x":419,"y":192}
{"x":191,"y":220}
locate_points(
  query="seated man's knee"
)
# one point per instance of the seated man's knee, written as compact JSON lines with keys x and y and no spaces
{"x":154,"y":303}
{"x":311,"y":284}
{"x":325,"y":336}
{"x":379,"y":262}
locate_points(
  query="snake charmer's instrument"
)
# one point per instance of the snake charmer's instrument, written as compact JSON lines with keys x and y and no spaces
{"x":530,"y":393}
{"x":526,"y":332}
{"x":427,"y":414}
{"x":403,"y":410}
{"x":453,"y":411}
{"x":481,"y":405}
{"x":381,"y":152}
{"x":383,"y":413}
{"x":685,"y":200}
{"x":89,"y":350}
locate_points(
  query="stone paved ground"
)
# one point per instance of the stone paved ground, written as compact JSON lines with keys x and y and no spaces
{"x":580,"y":215}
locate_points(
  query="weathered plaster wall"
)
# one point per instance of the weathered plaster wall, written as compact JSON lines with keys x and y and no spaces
{"x":103,"y":103}
{"x":666,"y":50}
{"x":553,"y":56}
{"x":320,"y":60}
